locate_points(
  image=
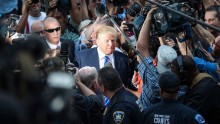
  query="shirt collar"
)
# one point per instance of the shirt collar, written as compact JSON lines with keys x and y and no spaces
{"x":102,"y":55}
{"x":53,"y":46}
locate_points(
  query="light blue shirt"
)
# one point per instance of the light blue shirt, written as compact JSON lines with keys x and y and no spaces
{"x":208,"y":67}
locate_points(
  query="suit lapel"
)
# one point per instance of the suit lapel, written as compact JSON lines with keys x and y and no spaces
{"x":95,"y":58}
{"x":116,"y":60}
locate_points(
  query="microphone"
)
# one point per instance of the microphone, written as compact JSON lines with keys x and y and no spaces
{"x":100,"y":10}
{"x":108,"y":64}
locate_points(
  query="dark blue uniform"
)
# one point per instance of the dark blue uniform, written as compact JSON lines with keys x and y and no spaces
{"x":89,"y":108}
{"x":122,"y":109}
{"x":170,"y":111}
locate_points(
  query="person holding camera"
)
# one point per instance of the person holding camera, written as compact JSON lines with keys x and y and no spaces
{"x":31,"y":12}
{"x":165,"y":55}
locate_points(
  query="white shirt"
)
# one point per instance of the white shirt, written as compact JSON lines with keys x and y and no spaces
{"x":52,"y":46}
{"x":32,"y":19}
{"x":101,"y":56}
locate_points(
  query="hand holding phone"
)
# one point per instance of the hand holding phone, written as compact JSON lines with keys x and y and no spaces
{"x":129,"y":25}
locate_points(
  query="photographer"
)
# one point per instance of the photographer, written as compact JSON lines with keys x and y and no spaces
{"x":165,"y":55}
{"x":31,"y":12}
{"x":68,"y":6}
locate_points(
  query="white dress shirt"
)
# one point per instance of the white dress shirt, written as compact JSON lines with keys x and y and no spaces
{"x":101,"y":56}
{"x":52,"y":46}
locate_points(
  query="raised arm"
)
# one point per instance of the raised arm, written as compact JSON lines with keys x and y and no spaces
{"x":75,"y":12}
{"x":51,"y":8}
{"x":23,"y":20}
{"x":204,"y":34}
{"x":85,"y":90}
{"x":84,"y":10}
{"x":144,"y":36}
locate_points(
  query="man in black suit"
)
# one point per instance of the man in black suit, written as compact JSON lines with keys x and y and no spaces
{"x":105,"y":55}
{"x":52,"y":32}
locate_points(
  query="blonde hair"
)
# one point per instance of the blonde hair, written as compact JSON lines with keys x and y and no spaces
{"x":106,"y":30}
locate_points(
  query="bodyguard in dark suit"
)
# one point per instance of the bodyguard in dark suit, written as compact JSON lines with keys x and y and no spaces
{"x":52,"y":32}
{"x":106,"y":38}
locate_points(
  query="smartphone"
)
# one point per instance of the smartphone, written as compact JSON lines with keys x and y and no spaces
{"x":130,"y":26}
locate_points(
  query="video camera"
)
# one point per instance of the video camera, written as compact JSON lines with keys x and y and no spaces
{"x":8,"y":25}
{"x":166,"y":21}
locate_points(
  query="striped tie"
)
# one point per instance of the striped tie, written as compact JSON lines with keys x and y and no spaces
{"x":106,"y":101}
{"x":106,"y":60}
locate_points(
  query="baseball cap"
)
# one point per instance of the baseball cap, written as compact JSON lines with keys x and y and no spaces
{"x":169,"y":82}
{"x":84,"y":24}
{"x":166,"y":55}
{"x":7,"y":6}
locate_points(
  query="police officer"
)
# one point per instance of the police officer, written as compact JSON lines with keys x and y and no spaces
{"x":122,"y":108}
{"x":169,"y":110}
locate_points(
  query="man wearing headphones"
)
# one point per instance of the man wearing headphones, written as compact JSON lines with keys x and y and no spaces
{"x":203,"y":92}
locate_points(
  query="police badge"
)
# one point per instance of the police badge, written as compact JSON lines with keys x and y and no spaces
{"x":118,"y":116}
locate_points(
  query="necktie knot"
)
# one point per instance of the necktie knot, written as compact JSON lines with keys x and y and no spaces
{"x":106,"y":60}
{"x":58,"y":47}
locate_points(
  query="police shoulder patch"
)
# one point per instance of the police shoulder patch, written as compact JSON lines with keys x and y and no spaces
{"x":199,"y":119}
{"x":118,"y":116}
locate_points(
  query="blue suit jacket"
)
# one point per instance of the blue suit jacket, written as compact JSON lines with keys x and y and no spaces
{"x":90,"y":57}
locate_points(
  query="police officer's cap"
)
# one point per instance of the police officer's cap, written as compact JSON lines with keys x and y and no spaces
{"x":169,"y":82}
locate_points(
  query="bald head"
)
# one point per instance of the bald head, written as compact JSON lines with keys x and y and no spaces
{"x":49,"y":20}
{"x":37,"y":27}
{"x":52,"y":30}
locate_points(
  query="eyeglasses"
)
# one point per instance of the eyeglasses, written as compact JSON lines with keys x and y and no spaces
{"x":52,"y":30}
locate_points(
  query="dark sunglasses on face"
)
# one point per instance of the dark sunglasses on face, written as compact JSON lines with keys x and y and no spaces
{"x":52,"y":30}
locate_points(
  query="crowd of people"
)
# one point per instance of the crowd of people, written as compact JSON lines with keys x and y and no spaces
{"x":64,"y":62}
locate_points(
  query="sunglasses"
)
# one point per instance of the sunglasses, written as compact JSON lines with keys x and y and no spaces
{"x":52,"y":30}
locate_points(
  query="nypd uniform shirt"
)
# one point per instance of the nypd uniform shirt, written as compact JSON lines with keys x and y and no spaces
{"x":122,"y":109}
{"x":170,"y":111}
